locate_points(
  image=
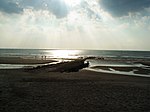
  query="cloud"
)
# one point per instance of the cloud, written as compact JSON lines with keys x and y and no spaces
{"x":57,"y":7}
{"x":60,"y":10}
{"x":10,"y":7}
{"x":120,"y":8}
{"x":91,"y":9}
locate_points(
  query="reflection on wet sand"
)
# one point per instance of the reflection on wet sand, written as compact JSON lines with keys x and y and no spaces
{"x":124,"y":70}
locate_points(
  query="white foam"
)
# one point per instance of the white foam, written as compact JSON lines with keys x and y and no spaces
{"x":131,"y":73}
{"x":14,"y":66}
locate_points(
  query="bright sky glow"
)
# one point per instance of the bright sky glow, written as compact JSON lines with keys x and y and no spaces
{"x":75,"y":24}
{"x":72,"y":3}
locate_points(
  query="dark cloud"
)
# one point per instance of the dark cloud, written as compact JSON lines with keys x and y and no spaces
{"x":123,"y":7}
{"x":57,"y":7}
{"x":9,"y":7}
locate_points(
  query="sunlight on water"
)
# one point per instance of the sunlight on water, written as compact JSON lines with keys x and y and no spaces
{"x":64,"y":53}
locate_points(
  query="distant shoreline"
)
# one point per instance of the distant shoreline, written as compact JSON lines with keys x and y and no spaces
{"x":79,"y":49}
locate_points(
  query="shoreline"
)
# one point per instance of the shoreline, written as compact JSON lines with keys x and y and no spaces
{"x":21,"y":60}
{"x":142,"y":71}
{"x":51,"y":65}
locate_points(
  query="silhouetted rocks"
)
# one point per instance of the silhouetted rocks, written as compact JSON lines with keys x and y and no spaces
{"x":93,"y":57}
{"x":69,"y":66}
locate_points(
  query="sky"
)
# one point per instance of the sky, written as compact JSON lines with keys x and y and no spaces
{"x":75,"y":24}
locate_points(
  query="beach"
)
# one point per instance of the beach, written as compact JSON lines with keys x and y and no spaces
{"x":82,"y":91}
{"x":22,"y":60}
{"x":74,"y":55}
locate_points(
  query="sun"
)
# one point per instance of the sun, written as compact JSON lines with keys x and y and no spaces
{"x":72,"y":3}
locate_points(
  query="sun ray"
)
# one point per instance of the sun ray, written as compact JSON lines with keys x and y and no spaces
{"x":72,"y":3}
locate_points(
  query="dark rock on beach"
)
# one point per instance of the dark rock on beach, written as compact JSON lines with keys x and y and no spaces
{"x":70,"y":66}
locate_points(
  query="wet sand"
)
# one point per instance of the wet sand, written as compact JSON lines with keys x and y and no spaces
{"x":21,"y":60}
{"x":136,"y":70}
{"x":83,"y":91}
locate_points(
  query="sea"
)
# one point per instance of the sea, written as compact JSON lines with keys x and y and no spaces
{"x":98,"y":57}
